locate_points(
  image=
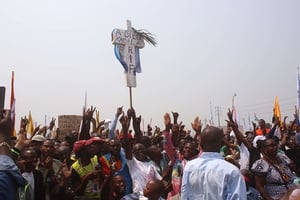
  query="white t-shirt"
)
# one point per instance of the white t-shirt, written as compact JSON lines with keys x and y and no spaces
{"x":141,"y":173}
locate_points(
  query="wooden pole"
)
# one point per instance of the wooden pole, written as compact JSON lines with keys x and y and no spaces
{"x":130,"y":96}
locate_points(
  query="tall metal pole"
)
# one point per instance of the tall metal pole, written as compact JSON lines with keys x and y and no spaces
{"x":211,"y":116}
{"x":218,"y":110}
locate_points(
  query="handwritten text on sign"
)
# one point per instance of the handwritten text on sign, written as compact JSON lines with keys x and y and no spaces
{"x":68,"y":123}
{"x":127,"y":41}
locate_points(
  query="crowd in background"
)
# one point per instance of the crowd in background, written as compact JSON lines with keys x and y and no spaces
{"x":171,"y":162}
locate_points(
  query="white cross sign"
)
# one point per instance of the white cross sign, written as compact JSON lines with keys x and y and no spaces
{"x":127,"y":41}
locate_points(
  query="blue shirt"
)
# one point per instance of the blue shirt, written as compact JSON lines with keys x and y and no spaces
{"x":211,"y":177}
{"x":10,"y":178}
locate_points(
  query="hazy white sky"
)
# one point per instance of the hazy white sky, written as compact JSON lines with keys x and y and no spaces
{"x":207,"y":51}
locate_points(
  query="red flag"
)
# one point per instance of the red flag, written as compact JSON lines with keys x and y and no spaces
{"x":12,"y":104}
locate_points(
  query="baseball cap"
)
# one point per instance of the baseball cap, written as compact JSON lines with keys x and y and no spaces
{"x":78,"y":145}
{"x":38,"y":138}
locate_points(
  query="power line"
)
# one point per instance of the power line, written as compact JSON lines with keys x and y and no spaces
{"x":269,"y":102}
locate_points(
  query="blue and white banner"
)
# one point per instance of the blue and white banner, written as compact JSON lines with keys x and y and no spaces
{"x":120,"y":54}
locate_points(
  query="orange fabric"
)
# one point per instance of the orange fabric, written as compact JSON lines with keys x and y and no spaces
{"x":260,"y":132}
{"x":106,"y":166}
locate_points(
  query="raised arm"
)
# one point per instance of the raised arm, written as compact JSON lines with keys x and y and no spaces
{"x":113,"y":126}
{"x":273,"y":129}
{"x":84,"y":133}
{"x":125,"y":122}
{"x":238,"y":134}
{"x":175,"y":130}
{"x":197,"y":126}
{"x":168,"y":145}
{"x":136,"y":122}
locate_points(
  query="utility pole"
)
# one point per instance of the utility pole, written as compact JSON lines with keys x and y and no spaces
{"x":211,"y":121}
{"x":218,"y":112}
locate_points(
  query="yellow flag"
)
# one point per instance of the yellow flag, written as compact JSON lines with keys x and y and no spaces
{"x":277,"y":110}
{"x":30,"y":126}
{"x":97,"y":118}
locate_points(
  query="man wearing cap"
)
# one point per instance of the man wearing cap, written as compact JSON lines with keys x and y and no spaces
{"x":36,"y":143}
{"x":86,"y":172}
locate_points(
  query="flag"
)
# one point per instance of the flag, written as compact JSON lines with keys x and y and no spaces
{"x":297,"y":116}
{"x":30,"y":126}
{"x":277,"y":110}
{"x":98,"y":120}
{"x":12,"y":105}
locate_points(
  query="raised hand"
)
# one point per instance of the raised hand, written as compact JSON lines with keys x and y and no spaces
{"x":176,"y":128}
{"x":88,"y":115}
{"x":175,"y":117}
{"x":230,"y":115}
{"x":167,"y":121}
{"x":119,"y":111}
{"x":91,"y":112}
{"x":157,"y":131}
{"x":131,"y":113}
{"x":137,"y":121}
{"x":124,"y":120}
{"x":5,"y":126}
{"x":36,"y":129}
{"x":24,"y":122}
{"x":230,"y":122}
{"x":197,"y":126}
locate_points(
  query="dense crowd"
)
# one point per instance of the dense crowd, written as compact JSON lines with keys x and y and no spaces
{"x":102,"y":162}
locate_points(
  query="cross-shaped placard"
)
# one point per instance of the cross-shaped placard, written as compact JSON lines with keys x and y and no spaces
{"x":127,"y":45}
{"x":127,"y":41}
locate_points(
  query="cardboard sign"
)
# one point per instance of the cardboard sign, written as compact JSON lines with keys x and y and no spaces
{"x":67,"y":124}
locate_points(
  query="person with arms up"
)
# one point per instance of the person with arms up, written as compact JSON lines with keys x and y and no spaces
{"x":141,"y":168}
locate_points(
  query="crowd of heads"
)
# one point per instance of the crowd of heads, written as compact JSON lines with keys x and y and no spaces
{"x":56,"y":158}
